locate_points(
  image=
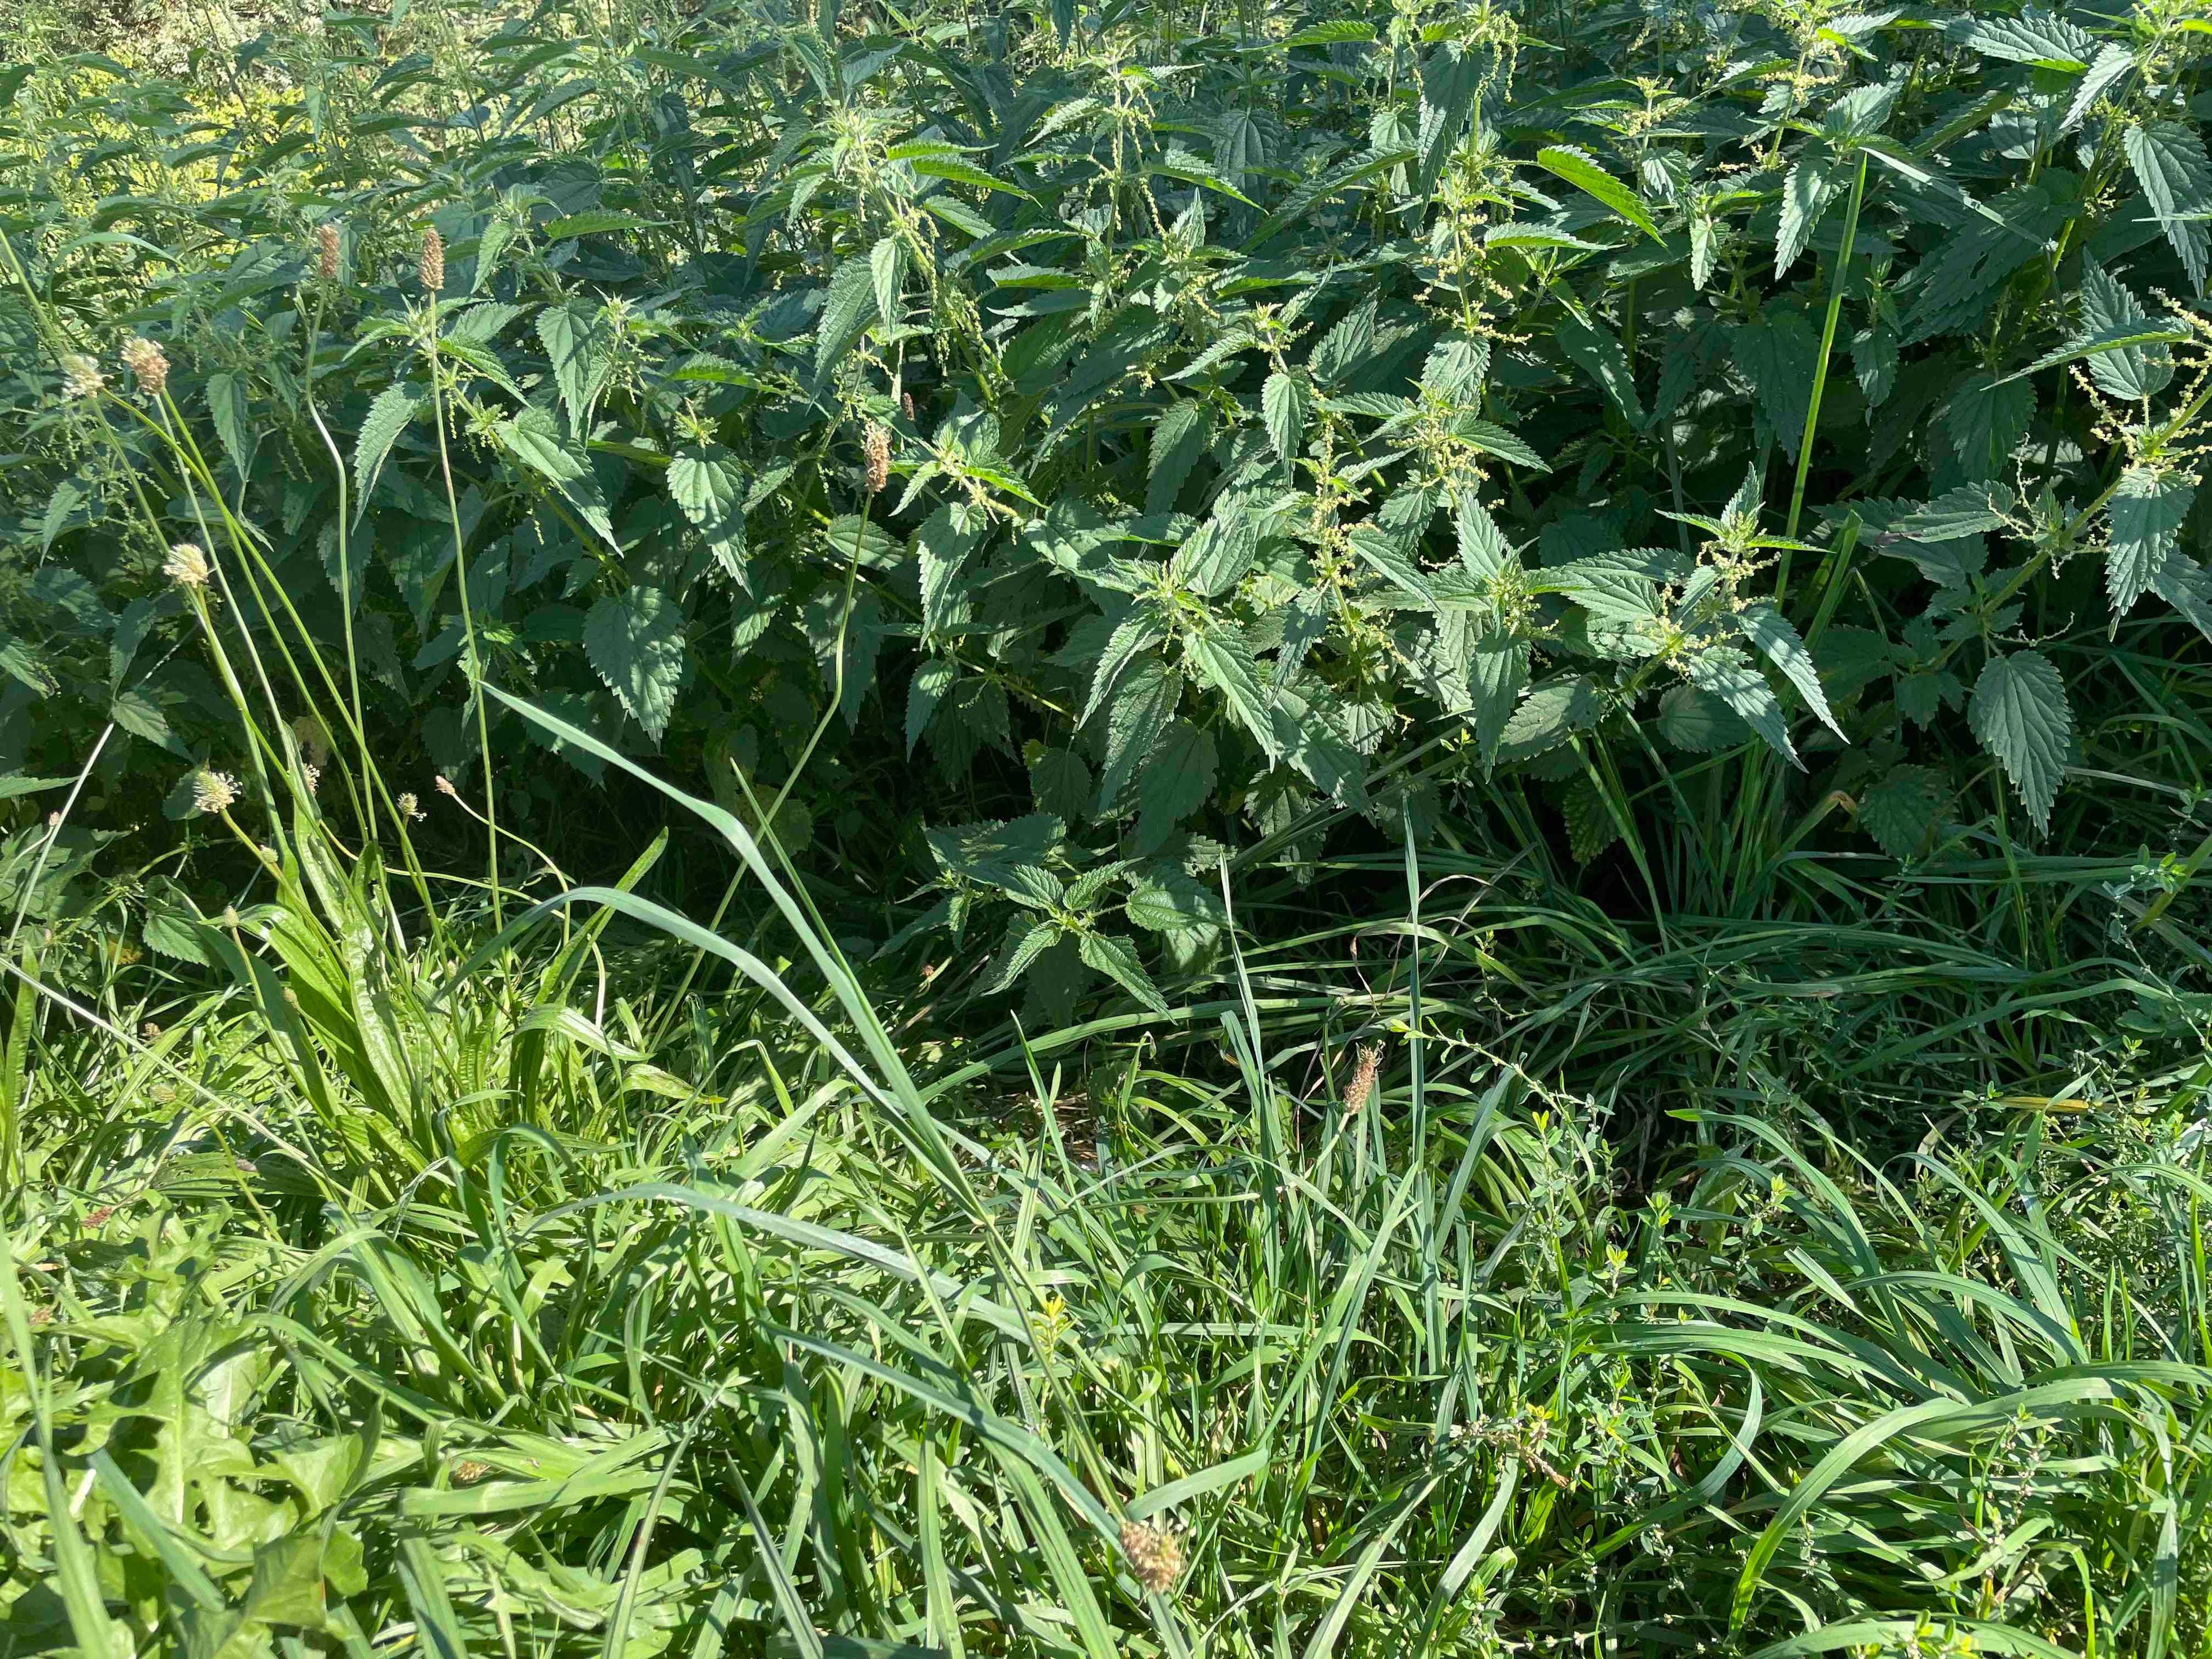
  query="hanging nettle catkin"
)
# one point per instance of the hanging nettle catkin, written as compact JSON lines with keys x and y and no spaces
{"x":326,"y":251}
{"x":148,"y":363}
{"x":432,"y":267}
{"x":877,"y":449}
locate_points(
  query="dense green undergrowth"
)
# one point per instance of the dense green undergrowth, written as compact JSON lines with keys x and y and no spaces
{"x":1350,"y":830}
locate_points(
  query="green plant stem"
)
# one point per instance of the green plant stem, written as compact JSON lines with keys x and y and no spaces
{"x":468,"y":615}
{"x":1839,"y":279}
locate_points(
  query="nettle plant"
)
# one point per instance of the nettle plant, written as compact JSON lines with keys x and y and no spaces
{"x":1668,"y":426}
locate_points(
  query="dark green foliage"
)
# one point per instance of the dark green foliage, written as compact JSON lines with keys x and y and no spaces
{"x":1243,"y":427}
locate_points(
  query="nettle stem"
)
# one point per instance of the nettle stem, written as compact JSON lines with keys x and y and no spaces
{"x":1837,"y":279}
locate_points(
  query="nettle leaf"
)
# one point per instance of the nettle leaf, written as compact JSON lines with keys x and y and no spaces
{"x":846,"y":313}
{"x":887,"y":269}
{"x":709,"y":486}
{"x":634,"y":642}
{"x":533,"y":437}
{"x":1214,"y":557}
{"x":2146,"y":511}
{"x":2033,"y":37}
{"x":388,"y":416}
{"x":1060,"y":784}
{"x":228,"y":404}
{"x":2019,"y":713}
{"x":1451,"y":78}
{"x":942,"y":546}
{"x":1025,"y":942}
{"x":1223,"y":662}
{"x":932,"y":680}
{"x":1284,"y":405}
{"x":1770,"y":630}
{"x":1579,"y":168}
{"x":1699,"y":722}
{"x":2169,"y":162}
{"x":1985,"y":422}
{"x":1114,"y":958}
{"x":1726,"y":673}
{"x":1179,"y":438}
{"x":1549,"y":715}
{"x":1597,"y":352}
{"x":1812,"y":183}
{"x":1142,"y":704}
{"x":1904,"y":809}
{"x":1779,"y":355}
{"x":1494,"y":439}
{"x":1131,"y":640}
{"x":578,"y":342}
{"x":2110,"y":312}
{"x":1454,"y":368}
{"x":1174,"y":781}
{"x":2113,"y":61}
{"x":1497,"y":674}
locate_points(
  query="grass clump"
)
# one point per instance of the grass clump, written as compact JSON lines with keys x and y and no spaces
{"x":1089,"y":831}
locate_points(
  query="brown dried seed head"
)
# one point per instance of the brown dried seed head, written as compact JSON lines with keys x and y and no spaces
{"x":1154,"y":1555}
{"x":96,"y":1218}
{"x":326,"y":253}
{"x":468,"y":1470}
{"x":877,"y":447}
{"x":148,"y":363}
{"x":905,"y":404}
{"x":1363,"y":1077}
{"x":432,"y":267}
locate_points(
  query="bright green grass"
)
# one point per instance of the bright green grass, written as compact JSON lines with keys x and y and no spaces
{"x":397,"y":1300}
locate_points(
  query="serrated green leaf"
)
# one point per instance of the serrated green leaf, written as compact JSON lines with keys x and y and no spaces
{"x":2019,"y":713}
{"x":1597,"y":352}
{"x":1224,"y":662}
{"x":1579,"y":168}
{"x":1175,"y":781}
{"x":1904,"y":809}
{"x":1497,"y":674}
{"x":2146,"y":513}
{"x":388,"y":416}
{"x":1179,"y":438}
{"x":1768,"y":630}
{"x":1728,"y":674}
{"x":2170,"y":164}
{"x":1283,"y":404}
{"x":578,"y":342}
{"x":1815,"y":181}
{"x":1114,"y":958}
{"x":847,"y":314}
{"x":932,"y":680}
{"x":1699,"y":722}
{"x":634,"y":642}
{"x":1549,"y":715}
